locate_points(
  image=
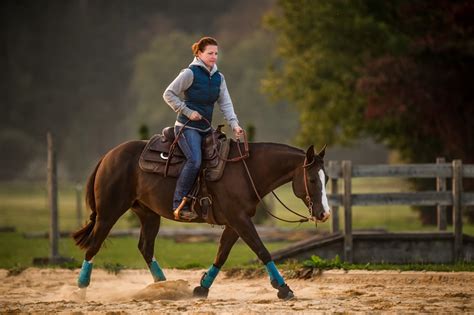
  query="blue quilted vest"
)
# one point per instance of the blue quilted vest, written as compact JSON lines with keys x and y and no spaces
{"x":201,"y":96}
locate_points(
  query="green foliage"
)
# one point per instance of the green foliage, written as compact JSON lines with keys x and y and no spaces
{"x":383,"y":68}
{"x":15,"y":270}
{"x":319,"y":263}
{"x":463,"y":266}
{"x":116,"y":253}
{"x":71,"y":265}
{"x":19,"y":202}
{"x":322,"y":45}
{"x":246,"y":271}
{"x":193,"y":265}
{"x":22,"y":201}
{"x":144,"y":132}
{"x":250,"y":130}
{"x":398,"y":71}
{"x":113,"y":268}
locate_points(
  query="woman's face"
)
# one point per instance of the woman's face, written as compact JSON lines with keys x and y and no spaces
{"x":209,"y":55}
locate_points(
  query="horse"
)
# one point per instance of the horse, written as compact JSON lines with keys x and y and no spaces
{"x":118,"y":184}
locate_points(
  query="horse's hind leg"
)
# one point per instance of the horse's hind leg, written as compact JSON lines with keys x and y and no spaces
{"x":246,"y":230}
{"x":104,"y":223}
{"x":228,"y":239}
{"x":150,"y":222}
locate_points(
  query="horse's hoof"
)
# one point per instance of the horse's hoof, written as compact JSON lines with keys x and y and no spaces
{"x":200,"y":292}
{"x":285,"y":293}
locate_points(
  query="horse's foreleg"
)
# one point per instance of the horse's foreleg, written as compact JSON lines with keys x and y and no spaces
{"x":150,"y":222}
{"x":246,"y":230}
{"x":228,"y":239}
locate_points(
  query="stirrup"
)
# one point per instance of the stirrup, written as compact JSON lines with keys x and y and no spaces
{"x":177,"y":212}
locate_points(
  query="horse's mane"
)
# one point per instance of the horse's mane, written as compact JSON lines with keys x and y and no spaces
{"x":283,"y":146}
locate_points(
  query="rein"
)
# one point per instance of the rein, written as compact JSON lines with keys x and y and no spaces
{"x":242,"y":158}
{"x":310,"y":203}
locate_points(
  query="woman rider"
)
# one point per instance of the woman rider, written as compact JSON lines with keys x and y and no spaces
{"x":192,"y":95}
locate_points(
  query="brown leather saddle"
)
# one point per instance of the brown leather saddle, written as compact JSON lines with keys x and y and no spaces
{"x":163,"y":156}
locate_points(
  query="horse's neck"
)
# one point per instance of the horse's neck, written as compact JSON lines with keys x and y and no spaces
{"x":273,"y":165}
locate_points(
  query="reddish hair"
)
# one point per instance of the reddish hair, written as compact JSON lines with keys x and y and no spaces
{"x":201,"y":44}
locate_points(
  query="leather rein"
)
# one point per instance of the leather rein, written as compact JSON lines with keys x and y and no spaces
{"x":307,"y":197}
{"x":242,"y":158}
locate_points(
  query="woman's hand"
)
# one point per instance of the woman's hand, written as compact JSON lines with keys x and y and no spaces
{"x":238,"y":131}
{"x":195,"y":116}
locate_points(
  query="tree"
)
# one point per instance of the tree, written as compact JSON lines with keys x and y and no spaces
{"x":396,"y":70}
{"x":388,"y":69}
{"x":322,"y":45}
{"x":67,"y":66}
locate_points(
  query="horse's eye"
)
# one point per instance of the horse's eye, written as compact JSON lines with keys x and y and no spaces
{"x":312,"y":180}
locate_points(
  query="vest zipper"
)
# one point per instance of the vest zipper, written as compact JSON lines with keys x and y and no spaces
{"x":209,"y":94}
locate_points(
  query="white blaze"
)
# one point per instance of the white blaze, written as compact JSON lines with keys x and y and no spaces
{"x":324,"y":198}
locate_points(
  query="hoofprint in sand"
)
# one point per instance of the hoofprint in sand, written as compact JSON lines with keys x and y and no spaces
{"x":132,"y":291}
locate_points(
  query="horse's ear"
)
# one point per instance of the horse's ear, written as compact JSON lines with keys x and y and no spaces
{"x":310,"y":154}
{"x":322,"y":152}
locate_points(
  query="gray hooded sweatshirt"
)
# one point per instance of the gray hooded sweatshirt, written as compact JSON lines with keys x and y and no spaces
{"x":174,"y":94}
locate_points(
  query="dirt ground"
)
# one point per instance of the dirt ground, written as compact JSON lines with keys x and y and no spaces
{"x":132,"y":291}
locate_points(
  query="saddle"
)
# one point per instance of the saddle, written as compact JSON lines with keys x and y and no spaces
{"x":163,"y":156}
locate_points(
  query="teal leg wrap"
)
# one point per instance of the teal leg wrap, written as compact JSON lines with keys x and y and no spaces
{"x":156,"y":271}
{"x":85,"y":275}
{"x":274,"y":274}
{"x":209,"y":277}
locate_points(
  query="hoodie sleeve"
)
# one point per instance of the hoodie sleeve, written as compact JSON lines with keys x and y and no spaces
{"x":172,"y":93}
{"x":226,"y":106}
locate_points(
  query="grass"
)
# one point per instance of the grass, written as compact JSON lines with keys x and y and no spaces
{"x":17,"y":251}
{"x":24,"y":206}
{"x":293,"y":269}
{"x":20,"y":202}
{"x":395,"y":218}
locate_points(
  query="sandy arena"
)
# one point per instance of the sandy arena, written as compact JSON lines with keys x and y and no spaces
{"x":131,"y":291}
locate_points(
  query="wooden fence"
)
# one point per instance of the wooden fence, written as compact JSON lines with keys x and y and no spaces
{"x":441,"y":198}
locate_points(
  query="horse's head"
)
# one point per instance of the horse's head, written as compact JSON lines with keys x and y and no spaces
{"x":309,"y":184}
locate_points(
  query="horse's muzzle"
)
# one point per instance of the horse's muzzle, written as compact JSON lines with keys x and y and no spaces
{"x":324,"y":218}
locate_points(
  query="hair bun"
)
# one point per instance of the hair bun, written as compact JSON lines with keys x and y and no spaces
{"x":202,"y":43}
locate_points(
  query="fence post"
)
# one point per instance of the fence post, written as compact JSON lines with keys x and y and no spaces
{"x":347,"y":174}
{"x":52,"y":198}
{"x":441,"y":210}
{"x":79,"y":205}
{"x":457,"y":209}
{"x":334,"y":190}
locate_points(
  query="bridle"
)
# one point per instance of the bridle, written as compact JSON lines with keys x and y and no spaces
{"x":309,"y":201}
{"x":244,"y":156}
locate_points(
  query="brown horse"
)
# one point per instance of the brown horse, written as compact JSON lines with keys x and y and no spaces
{"x":118,"y":184}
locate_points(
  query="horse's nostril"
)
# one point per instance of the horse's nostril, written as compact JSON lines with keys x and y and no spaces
{"x":325,"y":216}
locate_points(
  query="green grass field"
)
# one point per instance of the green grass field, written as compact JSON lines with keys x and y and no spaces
{"x":16,"y":250}
{"x":24,"y":206}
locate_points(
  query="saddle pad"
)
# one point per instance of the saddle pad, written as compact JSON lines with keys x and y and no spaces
{"x":155,"y":155}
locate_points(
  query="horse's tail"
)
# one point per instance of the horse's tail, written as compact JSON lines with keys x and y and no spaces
{"x":83,"y":236}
